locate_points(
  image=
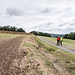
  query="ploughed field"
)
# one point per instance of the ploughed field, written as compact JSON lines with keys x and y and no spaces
{"x":8,"y":52}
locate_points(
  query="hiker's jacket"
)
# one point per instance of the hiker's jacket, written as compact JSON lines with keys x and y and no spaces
{"x":58,"y":38}
{"x":61,"y":39}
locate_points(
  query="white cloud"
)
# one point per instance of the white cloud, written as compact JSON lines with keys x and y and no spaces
{"x":52,"y":16}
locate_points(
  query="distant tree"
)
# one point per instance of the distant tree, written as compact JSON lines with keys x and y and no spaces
{"x":0,"y":28}
{"x":8,"y":28}
{"x":70,"y":36}
{"x":74,"y":36}
{"x":4,"y":28}
{"x":11,"y":28}
{"x":20,"y":30}
{"x":65,"y":36}
{"x":34,"y":32}
{"x":40,"y":33}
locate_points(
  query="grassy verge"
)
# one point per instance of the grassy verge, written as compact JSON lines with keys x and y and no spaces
{"x":47,"y":47}
{"x":64,"y":58}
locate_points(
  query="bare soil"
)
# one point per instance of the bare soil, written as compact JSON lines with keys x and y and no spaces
{"x":8,"y":52}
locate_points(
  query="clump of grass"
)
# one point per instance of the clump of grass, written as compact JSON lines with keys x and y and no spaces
{"x":32,"y":54}
{"x":26,"y":44}
{"x":49,"y":48}
{"x":56,"y":61}
{"x":34,"y":73}
{"x":73,"y":73}
{"x":49,"y":64}
{"x":71,"y":69}
{"x":41,"y":72}
{"x":67,"y":61}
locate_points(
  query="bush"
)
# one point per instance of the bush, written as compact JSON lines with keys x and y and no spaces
{"x":70,"y":36}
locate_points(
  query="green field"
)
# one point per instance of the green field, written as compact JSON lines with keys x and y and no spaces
{"x":67,"y":42}
{"x":8,"y":35}
{"x":5,"y":35}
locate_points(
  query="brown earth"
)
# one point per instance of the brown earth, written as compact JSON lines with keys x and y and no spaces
{"x":8,"y":52}
{"x":20,"y":56}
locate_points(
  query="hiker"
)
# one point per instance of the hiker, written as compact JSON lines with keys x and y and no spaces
{"x":61,"y":40}
{"x":58,"y":40}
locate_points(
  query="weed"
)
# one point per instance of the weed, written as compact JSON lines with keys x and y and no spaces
{"x":32,"y":54}
{"x":56,"y":61}
{"x":71,"y":69}
{"x":41,"y":72}
{"x":26,"y":45}
{"x":48,"y":63}
{"x":33,"y":73}
{"x":67,"y":61}
{"x":74,"y":73}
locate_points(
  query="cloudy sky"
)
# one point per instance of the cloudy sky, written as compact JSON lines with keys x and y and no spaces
{"x":51,"y":16}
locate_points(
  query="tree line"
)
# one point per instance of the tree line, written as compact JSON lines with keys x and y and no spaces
{"x":11,"y":28}
{"x":70,"y":36}
{"x":40,"y":33}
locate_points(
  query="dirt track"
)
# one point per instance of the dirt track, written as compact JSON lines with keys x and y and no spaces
{"x":8,"y":52}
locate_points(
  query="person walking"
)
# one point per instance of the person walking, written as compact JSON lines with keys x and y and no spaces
{"x":61,"y":40}
{"x":58,"y":40}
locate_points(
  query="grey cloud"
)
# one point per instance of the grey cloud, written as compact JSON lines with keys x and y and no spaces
{"x":60,"y":30}
{"x":72,"y":24}
{"x":68,"y":12}
{"x":35,"y":27}
{"x":14,"y":11}
{"x":58,"y":12}
{"x":55,"y":30}
{"x":74,"y":20}
{"x":63,"y":24}
{"x":43,"y":25}
{"x":47,"y":10}
{"x":49,"y":23}
{"x":68,"y":9}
